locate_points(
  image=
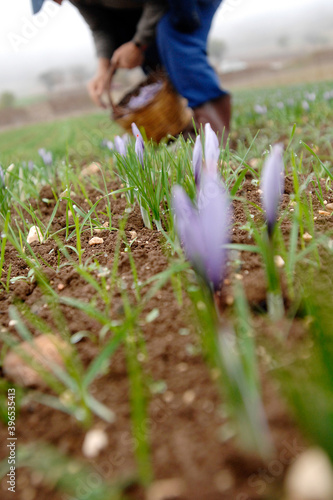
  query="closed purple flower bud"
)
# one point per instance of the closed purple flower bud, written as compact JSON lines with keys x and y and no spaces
{"x":46,"y":156}
{"x":197,"y":160}
{"x":212,"y":149}
{"x":136,"y":131}
{"x":107,"y":144}
{"x":2,"y":177}
{"x":203,"y":231}
{"x":261,"y":110}
{"x":272,"y":184}
{"x":139,"y":148}
{"x":119,"y":145}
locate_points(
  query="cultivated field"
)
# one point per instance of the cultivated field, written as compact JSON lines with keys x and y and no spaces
{"x":164,"y":342}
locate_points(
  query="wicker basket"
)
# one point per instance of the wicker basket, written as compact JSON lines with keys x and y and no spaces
{"x":166,"y":114}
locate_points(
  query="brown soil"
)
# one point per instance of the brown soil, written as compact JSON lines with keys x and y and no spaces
{"x":188,"y":435}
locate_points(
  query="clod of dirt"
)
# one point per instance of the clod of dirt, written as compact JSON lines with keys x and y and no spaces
{"x":166,"y":489}
{"x":94,"y":442}
{"x":41,"y":353}
{"x":324,"y":212}
{"x":34,"y":235}
{"x":329,"y":207}
{"x":91,"y":169}
{"x":310,"y":477}
{"x":96,"y":241}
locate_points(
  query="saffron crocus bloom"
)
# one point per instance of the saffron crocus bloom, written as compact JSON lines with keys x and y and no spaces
{"x":139,"y":143}
{"x":139,"y":148}
{"x":119,"y":145}
{"x":136,"y":131}
{"x":272,"y":184}
{"x":107,"y":144}
{"x":197,"y":160}
{"x":2,"y":177}
{"x":203,"y":230}
{"x":46,"y":156}
{"x":261,"y":110}
{"x":212,"y":149}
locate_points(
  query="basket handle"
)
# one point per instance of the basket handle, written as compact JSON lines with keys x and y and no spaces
{"x":117,"y":110}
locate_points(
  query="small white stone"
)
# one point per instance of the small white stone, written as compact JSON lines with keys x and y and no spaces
{"x":329,"y":207}
{"x":94,"y":442}
{"x":166,"y":489}
{"x":310,"y":477}
{"x":189,"y":397}
{"x":307,"y":237}
{"x":91,"y":169}
{"x":34,"y":235}
{"x":96,"y":241}
{"x":279,"y":262}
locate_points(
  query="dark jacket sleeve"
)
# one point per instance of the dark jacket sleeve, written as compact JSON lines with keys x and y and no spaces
{"x":145,"y":31}
{"x":97,"y":20}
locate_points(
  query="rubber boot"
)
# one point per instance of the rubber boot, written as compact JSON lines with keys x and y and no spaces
{"x":216,"y":112}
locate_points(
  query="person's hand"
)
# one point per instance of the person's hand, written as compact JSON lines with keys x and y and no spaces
{"x":128,"y":56}
{"x":97,"y":86}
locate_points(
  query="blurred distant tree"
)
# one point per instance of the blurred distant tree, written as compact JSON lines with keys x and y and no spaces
{"x":52,"y":78}
{"x":7,"y":100}
{"x":283,"y":41}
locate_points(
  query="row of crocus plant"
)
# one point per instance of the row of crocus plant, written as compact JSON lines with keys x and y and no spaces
{"x":203,"y":230}
{"x":202,"y":226}
{"x":202,"y":222}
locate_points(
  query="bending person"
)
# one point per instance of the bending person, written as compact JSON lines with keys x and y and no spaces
{"x":173,"y":33}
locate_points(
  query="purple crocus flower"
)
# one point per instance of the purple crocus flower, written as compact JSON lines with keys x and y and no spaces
{"x":2,"y":177}
{"x":272,"y":184}
{"x":119,"y":145}
{"x":203,"y":230}
{"x":197,"y":160}
{"x":136,"y":131}
{"x":261,"y":110}
{"x":106,"y":143}
{"x":212,"y":149}
{"x":305,"y":105}
{"x":46,"y":156}
{"x":140,"y":148}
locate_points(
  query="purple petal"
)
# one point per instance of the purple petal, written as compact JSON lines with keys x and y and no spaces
{"x":272,"y":184}
{"x":204,"y":231}
{"x":119,"y":145}
{"x":212,"y":149}
{"x":140,"y":148}
{"x":46,"y":156}
{"x":197,"y":160}
{"x":2,"y":177}
{"x":136,"y":131}
{"x":187,"y":226}
{"x":214,"y":206}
